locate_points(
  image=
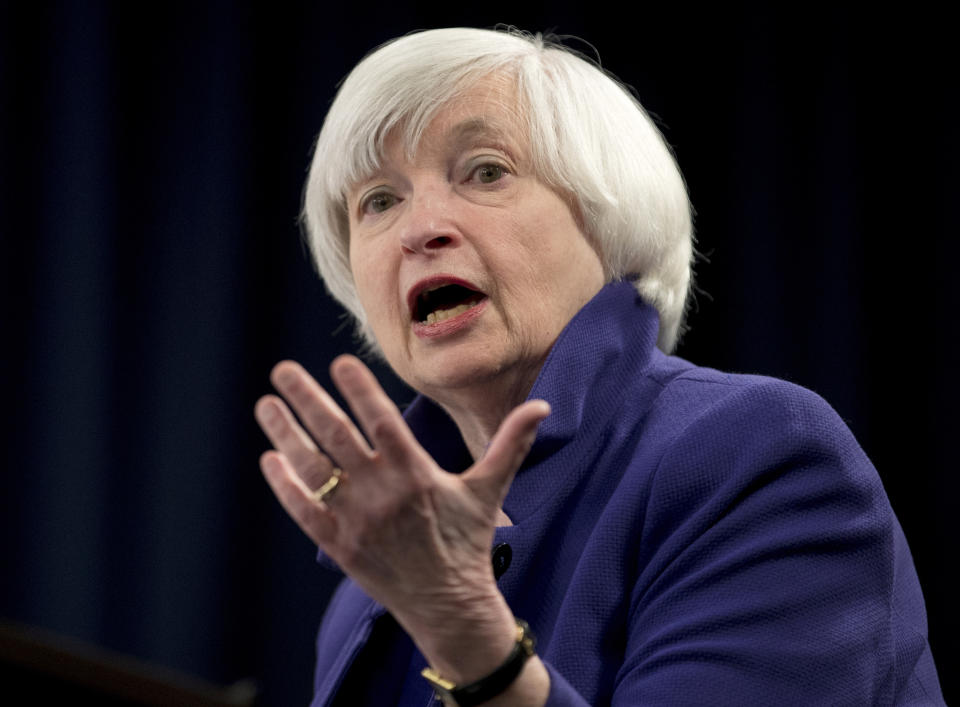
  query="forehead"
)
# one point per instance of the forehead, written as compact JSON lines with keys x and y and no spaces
{"x":486,"y":112}
{"x":486,"y":106}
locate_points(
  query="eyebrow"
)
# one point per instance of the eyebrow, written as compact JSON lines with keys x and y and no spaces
{"x":466,"y":131}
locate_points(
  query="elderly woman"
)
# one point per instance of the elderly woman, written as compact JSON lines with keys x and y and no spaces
{"x":512,"y":235}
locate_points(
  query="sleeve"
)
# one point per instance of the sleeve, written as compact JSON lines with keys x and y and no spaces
{"x":562,"y":694}
{"x":766,"y":568}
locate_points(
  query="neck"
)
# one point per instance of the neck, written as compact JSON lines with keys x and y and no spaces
{"x":478,"y":411}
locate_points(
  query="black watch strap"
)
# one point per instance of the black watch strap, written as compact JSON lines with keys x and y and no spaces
{"x":493,"y":684}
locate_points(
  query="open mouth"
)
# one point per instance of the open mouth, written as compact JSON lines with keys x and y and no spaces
{"x":437,"y":304}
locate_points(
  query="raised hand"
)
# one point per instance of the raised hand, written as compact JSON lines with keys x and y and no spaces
{"x":415,"y":537}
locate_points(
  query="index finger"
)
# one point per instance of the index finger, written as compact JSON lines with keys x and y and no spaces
{"x":375,"y":411}
{"x":327,"y":423}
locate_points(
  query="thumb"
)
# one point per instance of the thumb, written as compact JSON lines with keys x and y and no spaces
{"x":491,"y":475}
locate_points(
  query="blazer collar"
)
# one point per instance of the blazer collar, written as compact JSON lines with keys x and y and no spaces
{"x":604,"y":347}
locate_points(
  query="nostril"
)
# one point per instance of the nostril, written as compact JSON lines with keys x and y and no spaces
{"x":438,"y":242}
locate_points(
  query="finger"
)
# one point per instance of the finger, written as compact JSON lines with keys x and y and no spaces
{"x":378,"y":416}
{"x":331,"y":428}
{"x":286,"y":434}
{"x":491,"y":476}
{"x":314,"y":519}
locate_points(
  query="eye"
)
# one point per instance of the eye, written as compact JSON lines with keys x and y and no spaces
{"x":378,"y":202}
{"x":489,"y":173}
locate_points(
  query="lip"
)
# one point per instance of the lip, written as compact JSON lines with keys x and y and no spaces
{"x":451,"y":325}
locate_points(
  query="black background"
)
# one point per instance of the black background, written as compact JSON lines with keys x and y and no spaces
{"x":152,"y":157}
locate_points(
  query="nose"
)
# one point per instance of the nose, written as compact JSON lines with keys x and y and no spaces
{"x":429,"y":225}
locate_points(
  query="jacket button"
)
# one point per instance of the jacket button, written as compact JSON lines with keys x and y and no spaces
{"x":502,"y":554}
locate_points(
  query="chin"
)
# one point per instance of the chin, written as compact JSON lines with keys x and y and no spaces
{"x":457,"y":368}
{"x":435,"y":383}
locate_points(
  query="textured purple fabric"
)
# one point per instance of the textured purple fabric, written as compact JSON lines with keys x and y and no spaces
{"x":682,"y":536}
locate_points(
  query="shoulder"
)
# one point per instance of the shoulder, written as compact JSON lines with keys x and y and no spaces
{"x":686,"y":439}
{"x":751,"y":467}
{"x":732,"y":416}
{"x":761,"y":504}
{"x":705,"y":393}
{"x":735,"y":450}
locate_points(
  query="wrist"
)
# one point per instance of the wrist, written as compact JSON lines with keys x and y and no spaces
{"x":466,"y":647}
{"x":510,"y":681}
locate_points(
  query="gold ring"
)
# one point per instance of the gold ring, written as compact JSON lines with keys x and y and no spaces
{"x":323,"y":494}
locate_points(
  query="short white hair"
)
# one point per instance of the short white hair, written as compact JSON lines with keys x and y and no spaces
{"x":589,"y":138}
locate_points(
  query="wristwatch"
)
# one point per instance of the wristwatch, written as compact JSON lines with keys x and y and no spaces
{"x":493,"y":684}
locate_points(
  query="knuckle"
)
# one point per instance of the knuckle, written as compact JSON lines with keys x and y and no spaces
{"x":296,"y":390}
{"x":408,"y":496}
{"x":348,"y":554}
{"x":363,"y":537}
{"x":284,"y":432}
{"x":420,"y":487}
{"x":382,"y":429}
{"x":313,"y":471}
{"x":338,"y":434}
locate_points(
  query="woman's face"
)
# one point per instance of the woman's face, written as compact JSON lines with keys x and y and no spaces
{"x":467,"y":265}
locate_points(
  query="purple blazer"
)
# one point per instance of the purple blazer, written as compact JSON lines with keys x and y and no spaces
{"x":682,"y":537}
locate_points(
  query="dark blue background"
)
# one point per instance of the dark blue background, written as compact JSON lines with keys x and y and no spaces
{"x":151,"y":163}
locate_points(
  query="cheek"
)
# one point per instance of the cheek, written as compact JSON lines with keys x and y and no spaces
{"x":376,"y":284}
{"x":368,"y":287}
{"x":373,"y":297}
